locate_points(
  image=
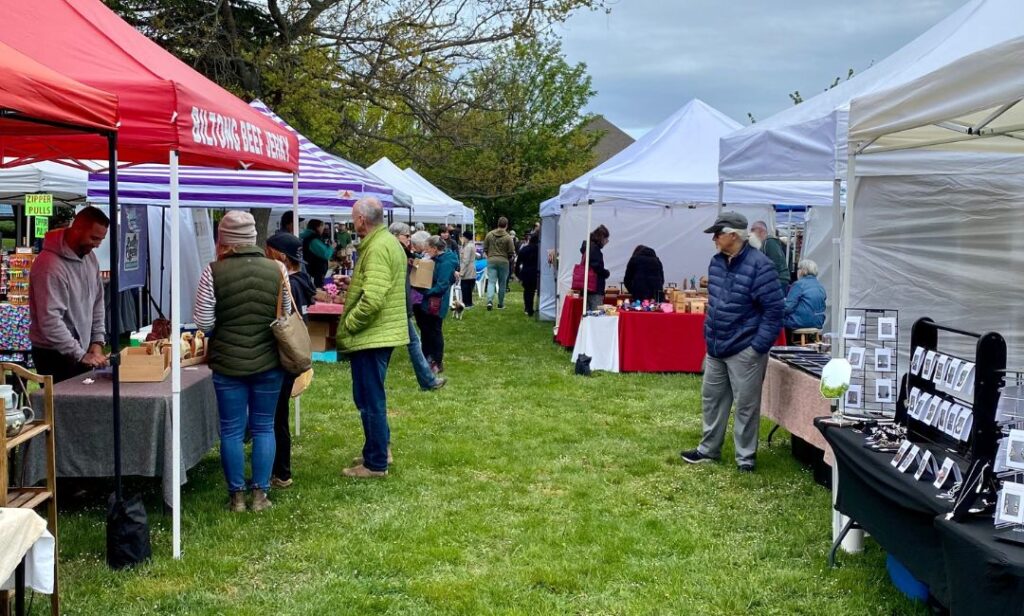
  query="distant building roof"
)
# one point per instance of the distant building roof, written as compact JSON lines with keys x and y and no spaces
{"x":614,"y":140}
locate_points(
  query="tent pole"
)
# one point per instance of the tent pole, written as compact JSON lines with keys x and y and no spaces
{"x":295,"y":203}
{"x":837,"y":225}
{"x":721,"y":195}
{"x":586,"y":259}
{"x":115,"y":311}
{"x":175,"y":360}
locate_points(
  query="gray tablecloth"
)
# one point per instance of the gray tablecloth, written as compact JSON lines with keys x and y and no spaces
{"x":84,"y":430}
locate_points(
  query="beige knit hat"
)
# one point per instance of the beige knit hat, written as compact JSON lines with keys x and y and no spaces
{"x":237,"y":228}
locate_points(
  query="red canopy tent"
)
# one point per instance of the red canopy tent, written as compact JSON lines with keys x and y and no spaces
{"x":165,"y":105}
{"x":168,"y":112}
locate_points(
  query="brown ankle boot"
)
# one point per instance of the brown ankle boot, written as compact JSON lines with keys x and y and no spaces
{"x":260,"y":500}
{"x":236,"y":502}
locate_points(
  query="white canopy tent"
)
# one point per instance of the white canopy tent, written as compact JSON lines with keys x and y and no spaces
{"x":934,"y":216}
{"x":467,"y":215}
{"x":427,"y":205}
{"x":662,"y":191}
{"x":808,"y":142}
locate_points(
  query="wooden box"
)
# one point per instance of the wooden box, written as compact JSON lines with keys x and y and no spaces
{"x":145,"y":365}
{"x":422,"y":276}
{"x":697,"y":307}
{"x":319,"y":335}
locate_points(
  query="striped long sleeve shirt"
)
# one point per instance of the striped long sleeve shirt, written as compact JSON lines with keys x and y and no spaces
{"x":205,"y":311}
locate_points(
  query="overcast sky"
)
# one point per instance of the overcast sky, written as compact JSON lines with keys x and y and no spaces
{"x":648,"y":57}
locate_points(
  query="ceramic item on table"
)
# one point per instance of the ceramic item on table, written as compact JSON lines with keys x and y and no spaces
{"x":15,"y":418}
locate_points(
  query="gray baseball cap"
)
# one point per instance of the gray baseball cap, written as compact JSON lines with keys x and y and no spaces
{"x":732,"y":220}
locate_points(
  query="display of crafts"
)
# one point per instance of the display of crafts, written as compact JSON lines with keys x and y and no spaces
{"x":193,"y":347}
{"x":330,"y":294}
{"x":14,"y":322}
{"x":644,"y":306}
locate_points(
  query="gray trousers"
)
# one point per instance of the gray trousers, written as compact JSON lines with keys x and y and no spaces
{"x":734,"y":379}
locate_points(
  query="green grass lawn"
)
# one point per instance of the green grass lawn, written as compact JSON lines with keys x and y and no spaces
{"x":518,"y":489}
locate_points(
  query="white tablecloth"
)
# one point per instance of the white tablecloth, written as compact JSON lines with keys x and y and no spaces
{"x":23,"y":534}
{"x":598,"y":337}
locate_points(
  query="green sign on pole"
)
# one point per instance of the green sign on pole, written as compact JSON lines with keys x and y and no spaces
{"x":39,"y":205}
{"x":42,"y":226}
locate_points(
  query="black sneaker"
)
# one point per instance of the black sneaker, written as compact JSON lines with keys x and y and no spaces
{"x":438,"y":384}
{"x":745,"y":468}
{"x":501,"y":306}
{"x":694,"y":456}
{"x":490,"y":306}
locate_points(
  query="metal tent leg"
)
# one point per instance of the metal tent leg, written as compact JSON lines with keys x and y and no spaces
{"x":850,"y":525}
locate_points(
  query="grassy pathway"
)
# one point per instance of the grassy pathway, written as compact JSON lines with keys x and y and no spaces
{"x":518,"y":489}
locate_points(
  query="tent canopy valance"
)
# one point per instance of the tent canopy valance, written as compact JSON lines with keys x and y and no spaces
{"x":325,"y":181}
{"x":164,"y":104}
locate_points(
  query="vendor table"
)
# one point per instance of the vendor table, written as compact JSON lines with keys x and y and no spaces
{"x":661,"y":342}
{"x":897,"y":510}
{"x":27,"y":554}
{"x":84,"y":434}
{"x":791,"y":398}
{"x":598,"y":337}
{"x":569,"y":323}
{"x":985,"y":576}
{"x":321,"y":308}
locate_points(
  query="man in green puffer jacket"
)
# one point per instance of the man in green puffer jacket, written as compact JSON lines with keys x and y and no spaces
{"x":373,"y":324}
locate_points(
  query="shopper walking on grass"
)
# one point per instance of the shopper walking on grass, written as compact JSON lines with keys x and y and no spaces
{"x":744,"y":317}
{"x":375,"y":321}
{"x":287,"y":249}
{"x":500,"y":250}
{"x":528,"y":270}
{"x":598,"y":240}
{"x":433,"y":308}
{"x":467,"y":267}
{"x":237,"y":301}
{"x":424,"y":375}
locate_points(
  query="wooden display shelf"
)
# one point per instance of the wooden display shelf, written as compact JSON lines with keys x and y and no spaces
{"x":29,"y":432}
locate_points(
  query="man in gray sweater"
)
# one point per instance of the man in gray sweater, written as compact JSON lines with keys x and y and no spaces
{"x":66,"y":299}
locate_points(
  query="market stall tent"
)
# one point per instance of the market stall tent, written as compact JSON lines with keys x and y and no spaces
{"x":168,"y":112}
{"x":934,"y":218}
{"x":464,"y":216}
{"x":661,"y":191}
{"x":425,"y":206}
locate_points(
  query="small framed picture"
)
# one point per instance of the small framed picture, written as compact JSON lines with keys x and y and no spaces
{"x":950,"y":426}
{"x":964,"y":428}
{"x":883,"y":390}
{"x":855,"y":355}
{"x":912,"y":397}
{"x":922,"y":406}
{"x":853,"y":397}
{"x":1010,"y":508}
{"x":944,"y":472}
{"x":1015,"y":450}
{"x":883,"y":360}
{"x":851,"y":329}
{"x":933,"y":410}
{"x":909,"y":458}
{"x":940,"y":369}
{"x":901,"y":452}
{"x":915,"y":363}
{"x":952,"y":369}
{"x":965,"y":375}
{"x":928,"y":366}
{"x":887,"y":328}
{"x":944,"y":408}
{"x":927,"y":465}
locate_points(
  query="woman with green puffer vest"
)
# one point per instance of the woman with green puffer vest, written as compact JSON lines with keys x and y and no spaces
{"x":432,"y":310}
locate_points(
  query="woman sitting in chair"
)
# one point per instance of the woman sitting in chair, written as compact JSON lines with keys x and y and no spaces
{"x":805,"y":303}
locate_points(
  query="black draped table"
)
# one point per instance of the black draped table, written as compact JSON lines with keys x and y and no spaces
{"x":985,"y":576}
{"x":896,"y":509}
{"x":84,"y":427}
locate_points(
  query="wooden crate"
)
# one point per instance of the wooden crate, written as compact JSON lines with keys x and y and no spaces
{"x":144,"y":365}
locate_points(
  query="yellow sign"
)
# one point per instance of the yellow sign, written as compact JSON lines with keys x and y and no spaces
{"x":42,"y":226}
{"x":39,"y":205}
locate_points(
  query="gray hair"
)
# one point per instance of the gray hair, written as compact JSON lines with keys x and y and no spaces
{"x":437,"y":243}
{"x":419,"y":226}
{"x":743,"y":234}
{"x":399,"y":228}
{"x":371,"y":208}
{"x":419,"y":239}
{"x":808,"y":267}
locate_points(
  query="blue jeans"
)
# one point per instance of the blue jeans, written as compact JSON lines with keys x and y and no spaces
{"x":369,"y":370}
{"x":497,"y":277}
{"x":247,"y":401}
{"x":424,"y":375}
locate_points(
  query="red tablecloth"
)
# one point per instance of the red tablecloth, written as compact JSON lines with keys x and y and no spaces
{"x":569,"y":324}
{"x":663,"y":342}
{"x":325,"y":308}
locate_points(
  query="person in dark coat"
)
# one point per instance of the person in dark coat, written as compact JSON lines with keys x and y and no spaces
{"x":528,"y":270}
{"x":645,"y":276}
{"x":598,"y":240}
{"x":287,"y":249}
{"x":744,"y":318}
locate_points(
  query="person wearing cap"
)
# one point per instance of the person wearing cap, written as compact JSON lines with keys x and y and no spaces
{"x":744,"y":318}
{"x":236,"y":303}
{"x":315,"y":251}
{"x":287,"y":249}
{"x":373,"y":324}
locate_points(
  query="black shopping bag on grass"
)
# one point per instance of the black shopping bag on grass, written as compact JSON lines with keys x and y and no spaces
{"x":583,"y":365}
{"x":127,"y":532}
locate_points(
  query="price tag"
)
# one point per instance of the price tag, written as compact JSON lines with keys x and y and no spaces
{"x":39,"y":205}
{"x":42,"y":226}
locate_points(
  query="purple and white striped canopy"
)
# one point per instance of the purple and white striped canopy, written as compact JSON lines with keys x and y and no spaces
{"x":325,"y":181}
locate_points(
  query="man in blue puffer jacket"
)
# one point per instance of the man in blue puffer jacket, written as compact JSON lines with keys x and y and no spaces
{"x":744,"y":318}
